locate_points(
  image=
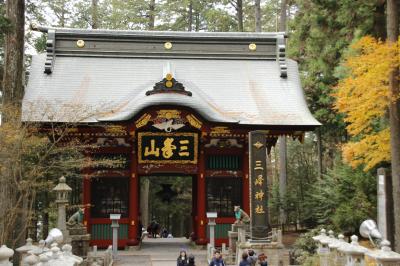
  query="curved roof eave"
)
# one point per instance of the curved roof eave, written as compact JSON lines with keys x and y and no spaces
{"x":129,"y":110}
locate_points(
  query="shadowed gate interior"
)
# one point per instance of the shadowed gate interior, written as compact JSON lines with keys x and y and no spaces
{"x":168,"y":201}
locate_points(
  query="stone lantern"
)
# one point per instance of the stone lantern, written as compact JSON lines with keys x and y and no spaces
{"x":5,"y":254}
{"x":385,"y":256}
{"x":62,"y":198}
{"x":354,"y":252}
{"x":323,"y":250}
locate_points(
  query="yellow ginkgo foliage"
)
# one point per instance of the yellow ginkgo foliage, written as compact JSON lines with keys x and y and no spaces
{"x":364,"y":97}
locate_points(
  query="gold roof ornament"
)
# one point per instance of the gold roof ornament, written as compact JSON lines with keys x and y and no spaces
{"x":168,"y":84}
{"x":80,"y":43}
{"x":168,"y":46}
{"x":252,"y":47}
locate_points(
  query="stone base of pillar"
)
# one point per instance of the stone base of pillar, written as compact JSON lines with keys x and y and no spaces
{"x":79,"y":240}
{"x":276,"y":252}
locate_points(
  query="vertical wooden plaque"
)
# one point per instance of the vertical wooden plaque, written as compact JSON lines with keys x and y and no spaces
{"x":259,"y":225}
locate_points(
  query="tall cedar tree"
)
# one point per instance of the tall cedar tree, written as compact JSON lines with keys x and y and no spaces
{"x":13,"y":76}
{"x":320,"y":33}
{"x":394,"y":117}
{"x":257,"y":13}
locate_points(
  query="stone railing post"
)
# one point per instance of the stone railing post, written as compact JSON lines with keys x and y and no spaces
{"x":32,"y":259}
{"x":323,"y":250}
{"x":354,"y":253}
{"x":279,"y":238}
{"x":335,"y":259}
{"x":241,"y":234}
{"x":211,"y":225}
{"x":115,"y":225}
{"x":385,"y":256}
{"x":25,"y":249}
{"x":5,"y":255}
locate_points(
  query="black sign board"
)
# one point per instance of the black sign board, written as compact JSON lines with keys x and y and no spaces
{"x":258,"y":185}
{"x":167,"y":148}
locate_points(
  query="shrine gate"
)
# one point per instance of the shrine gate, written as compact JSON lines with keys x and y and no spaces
{"x":178,"y":103}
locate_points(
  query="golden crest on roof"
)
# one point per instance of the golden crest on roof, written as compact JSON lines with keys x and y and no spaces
{"x":168,"y":114}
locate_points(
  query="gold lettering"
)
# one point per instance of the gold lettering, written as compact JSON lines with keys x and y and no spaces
{"x":168,"y":149}
{"x":259,"y":180}
{"x":153,"y":150}
{"x":259,"y":195}
{"x":183,"y":149}
{"x":259,"y":209}
{"x":258,"y":166}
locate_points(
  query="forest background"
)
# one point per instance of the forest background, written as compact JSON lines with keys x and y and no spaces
{"x":348,"y":57}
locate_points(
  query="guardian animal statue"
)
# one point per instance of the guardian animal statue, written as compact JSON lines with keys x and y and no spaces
{"x":76,"y":218}
{"x":241,"y":216}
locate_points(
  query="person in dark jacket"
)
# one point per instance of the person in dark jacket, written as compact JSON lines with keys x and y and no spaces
{"x":182,"y":259}
{"x":191,"y":260}
{"x":244,"y":261}
{"x":217,"y":259}
{"x":252,"y":257}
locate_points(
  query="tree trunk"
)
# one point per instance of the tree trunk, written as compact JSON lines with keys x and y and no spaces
{"x":197,"y":26}
{"x":239,"y":12}
{"x":319,"y":151}
{"x":283,"y":16}
{"x":379,"y":26}
{"x":394,"y":118}
{"x":152,"y":17}
{"x":190,"y":16}
{"x":62,"y":20}
{"x":95,"y":22}
{"x":282,"y":176}
{"x":258,"y":15}
{"x":13,"y":76}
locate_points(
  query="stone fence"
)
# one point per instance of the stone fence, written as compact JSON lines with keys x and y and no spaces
{"x":334,"y":251}
{"x":54,"y":256}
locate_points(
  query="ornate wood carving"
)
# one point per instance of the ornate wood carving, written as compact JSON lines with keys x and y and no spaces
{"x":169,"y":85}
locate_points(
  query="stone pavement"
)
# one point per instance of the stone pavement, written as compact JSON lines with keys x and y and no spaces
{"x":160,"y":252}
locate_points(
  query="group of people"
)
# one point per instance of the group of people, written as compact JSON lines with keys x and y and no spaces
{"x":154,"y":230}
{"x":184,"y":260}
{"x":250,"y":258}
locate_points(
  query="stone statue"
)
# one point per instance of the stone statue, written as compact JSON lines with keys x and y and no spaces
{"x":241,"y":216}
{"x":76,"y":218}
{"x":78,"y":234}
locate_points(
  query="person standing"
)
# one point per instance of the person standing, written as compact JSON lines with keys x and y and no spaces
{"x":244,"y":261}
{"x":191,"y":260}
{"x":182,"y":259}
{"x":262,"y":259}
{"x":217,"y":259}
{"x":252,"y":257}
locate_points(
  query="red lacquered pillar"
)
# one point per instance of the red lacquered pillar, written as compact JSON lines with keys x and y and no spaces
{"x":246,"y":180}
{"x":133,"y":203}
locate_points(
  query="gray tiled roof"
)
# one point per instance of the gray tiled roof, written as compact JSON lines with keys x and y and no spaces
{"x":113,"y":88}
